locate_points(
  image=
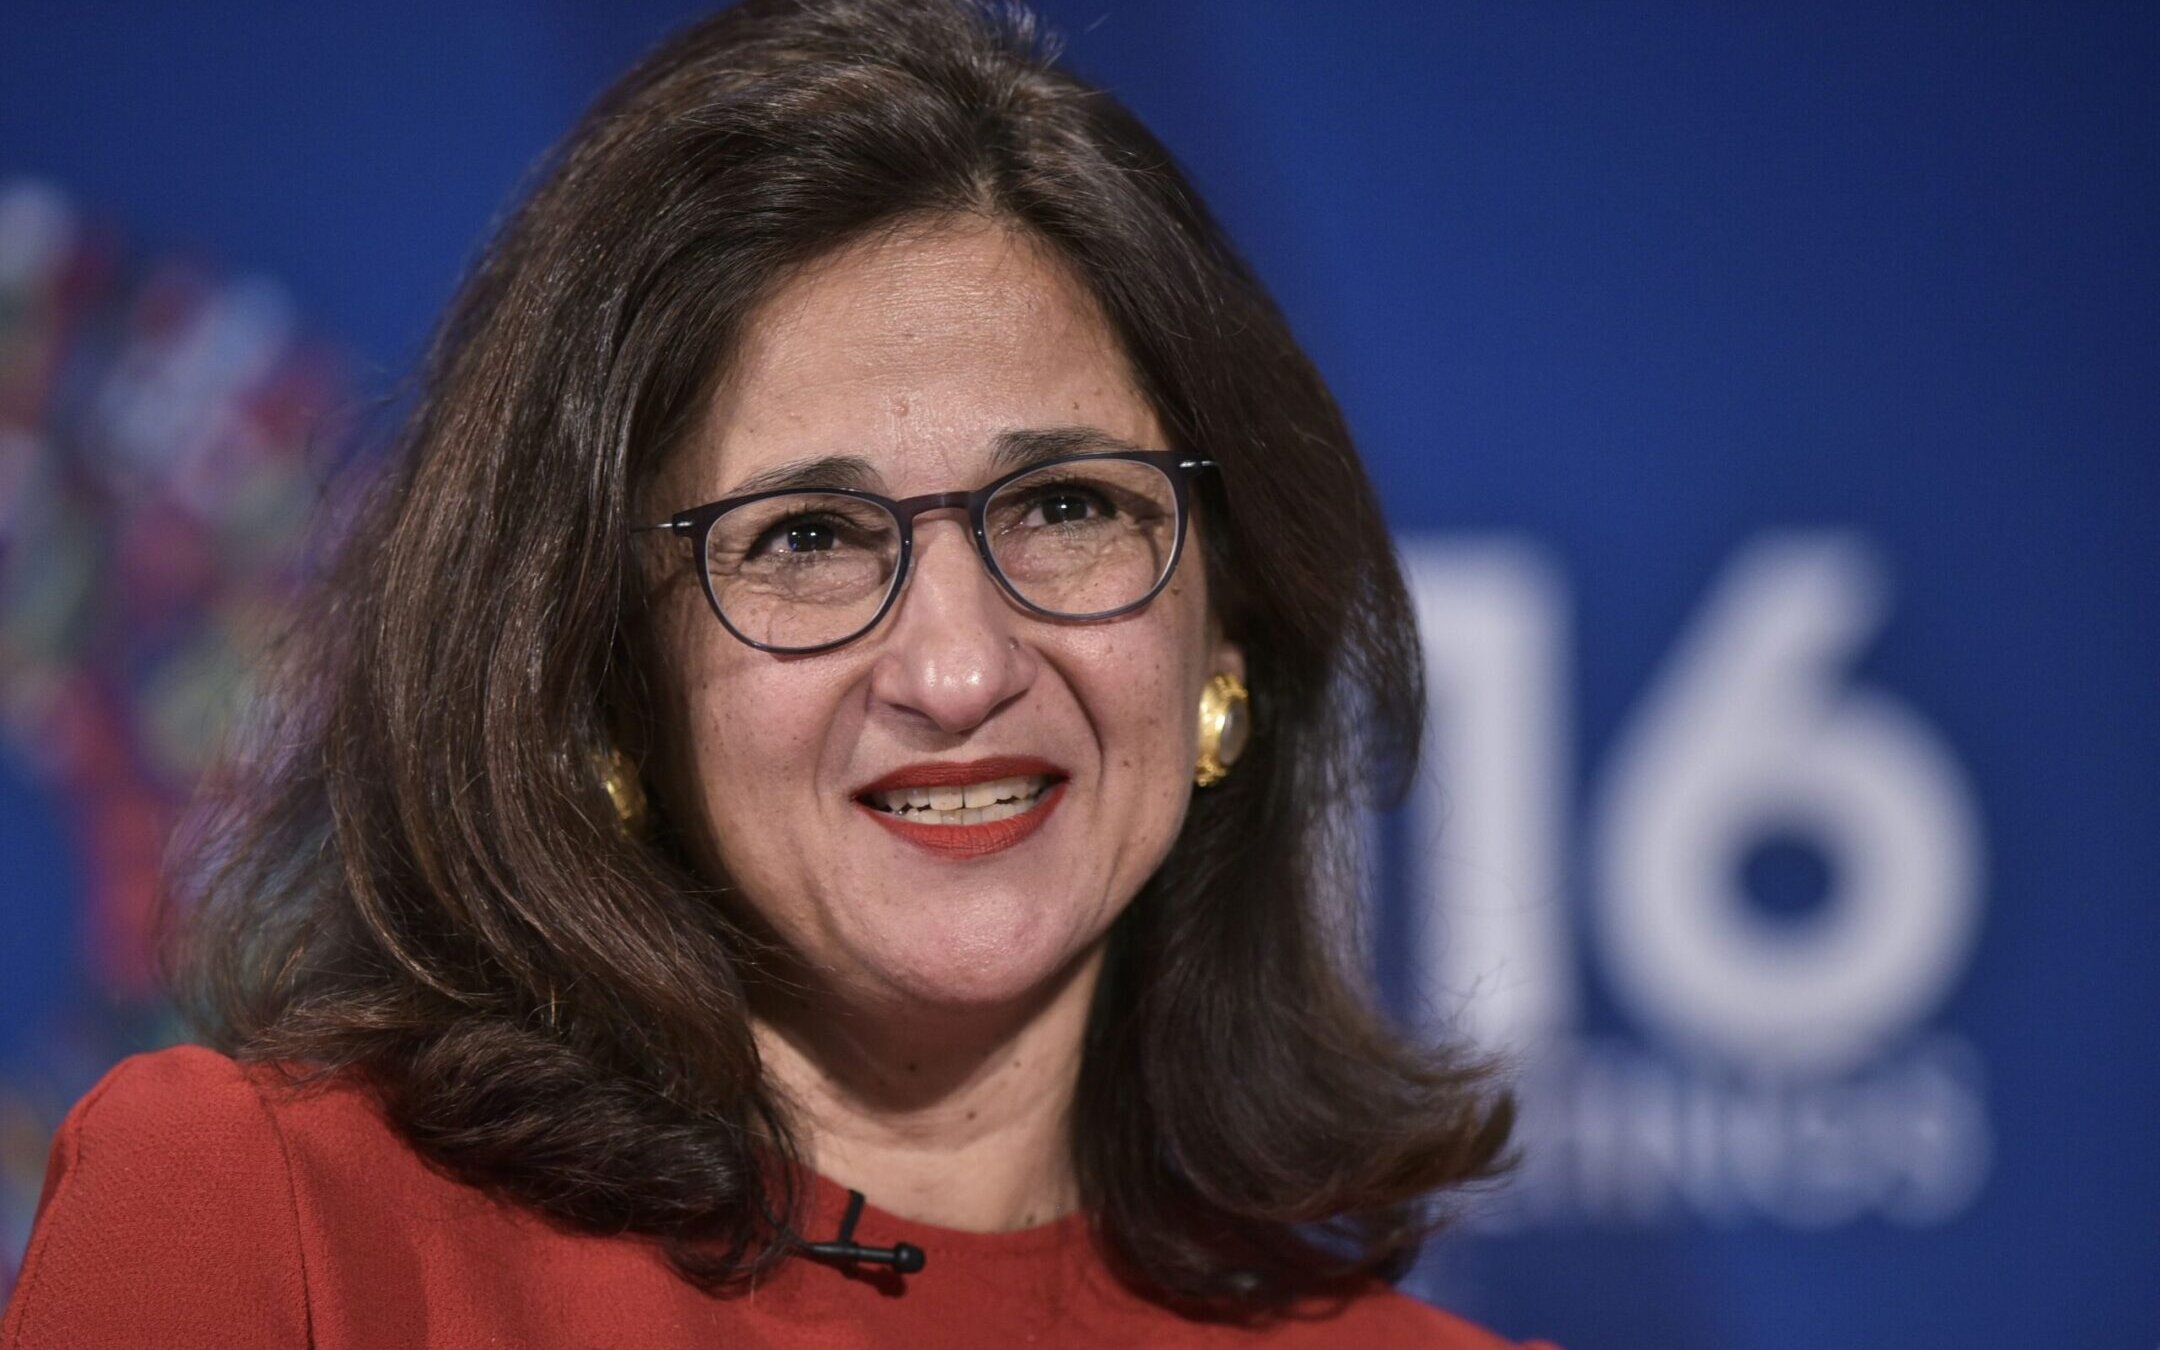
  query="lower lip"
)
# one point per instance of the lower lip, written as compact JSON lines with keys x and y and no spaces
{"x":971,"y":841}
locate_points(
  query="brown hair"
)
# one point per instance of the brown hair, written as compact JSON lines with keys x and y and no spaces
{"x":419,"y":875}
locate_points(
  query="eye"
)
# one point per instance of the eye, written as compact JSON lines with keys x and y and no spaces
{"x":797,"y":535}
{"x":1067,"y":504}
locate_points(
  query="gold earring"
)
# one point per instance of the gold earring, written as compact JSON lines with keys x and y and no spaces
{"x":625,"y":793}
{"x":1225,"y":726}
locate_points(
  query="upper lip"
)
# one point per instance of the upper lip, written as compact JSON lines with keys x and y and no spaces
{"x":953,"y":773}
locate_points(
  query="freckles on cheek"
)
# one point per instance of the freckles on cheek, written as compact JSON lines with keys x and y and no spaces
{"x":752,"y":740}
{"x":718,"y":729}
{"x":1140,"y":704}
{"x":764,"y":728}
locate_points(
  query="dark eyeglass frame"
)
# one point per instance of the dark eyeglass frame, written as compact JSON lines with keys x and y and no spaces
{"x":696,"y":524}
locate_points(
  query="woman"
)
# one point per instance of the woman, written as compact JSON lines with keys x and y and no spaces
{"x":782,"y":737}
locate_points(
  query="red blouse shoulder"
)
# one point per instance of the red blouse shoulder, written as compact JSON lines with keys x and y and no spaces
{"x":167,"y":1216}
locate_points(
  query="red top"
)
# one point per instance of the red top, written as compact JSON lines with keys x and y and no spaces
{"x":191,"y":1202}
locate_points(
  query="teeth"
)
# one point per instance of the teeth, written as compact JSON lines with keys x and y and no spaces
{"x":1003,"y":790}
{"x":967,"y":804}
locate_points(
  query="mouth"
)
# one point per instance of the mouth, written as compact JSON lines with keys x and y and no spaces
{"x":965,"y":810}
{"x":962,"y":803}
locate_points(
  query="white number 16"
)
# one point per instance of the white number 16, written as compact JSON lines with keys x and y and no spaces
{"x":1750,"y":730}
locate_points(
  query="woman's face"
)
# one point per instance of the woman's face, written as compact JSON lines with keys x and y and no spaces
{"x":915,"y":353}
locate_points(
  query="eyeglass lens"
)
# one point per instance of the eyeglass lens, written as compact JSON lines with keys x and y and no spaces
{"x":1075,"y":540}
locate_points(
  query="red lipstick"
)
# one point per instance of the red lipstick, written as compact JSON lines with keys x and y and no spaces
{"x":967,"y":841}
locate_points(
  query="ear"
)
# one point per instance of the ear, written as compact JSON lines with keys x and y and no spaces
{"x":1226,"y":658}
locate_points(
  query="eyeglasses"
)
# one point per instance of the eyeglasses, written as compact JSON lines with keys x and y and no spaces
{"x":1080,"y":537}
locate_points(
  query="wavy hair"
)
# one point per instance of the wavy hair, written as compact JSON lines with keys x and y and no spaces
{"x":414,"y":871}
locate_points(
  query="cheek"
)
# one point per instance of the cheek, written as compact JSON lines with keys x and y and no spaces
{"x":759,"y":741}
{"x":1140,"y":689}
{"x":755,"y":731}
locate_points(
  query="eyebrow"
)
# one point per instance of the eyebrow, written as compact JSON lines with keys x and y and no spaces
{"x":818,"y":471}
{"x":1009,"y":450}
{"x":1032,"y":445}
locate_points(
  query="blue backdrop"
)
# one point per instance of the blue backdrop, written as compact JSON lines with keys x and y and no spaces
{"x":1765,"y":398}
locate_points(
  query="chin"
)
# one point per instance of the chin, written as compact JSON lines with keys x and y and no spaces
{"x":981,"y":968}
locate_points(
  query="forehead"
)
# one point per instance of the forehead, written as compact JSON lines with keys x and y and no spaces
{"x":919,"y":351}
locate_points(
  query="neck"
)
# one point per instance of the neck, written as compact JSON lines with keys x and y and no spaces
{"x":959,"y":1118}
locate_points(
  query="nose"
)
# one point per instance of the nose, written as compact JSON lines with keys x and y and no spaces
{"x":952,"y":655}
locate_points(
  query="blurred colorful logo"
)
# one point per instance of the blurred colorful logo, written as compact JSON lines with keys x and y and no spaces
{"x":163,"y":432}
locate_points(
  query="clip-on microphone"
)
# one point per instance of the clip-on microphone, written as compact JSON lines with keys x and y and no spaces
{"x":904,"y":1257}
